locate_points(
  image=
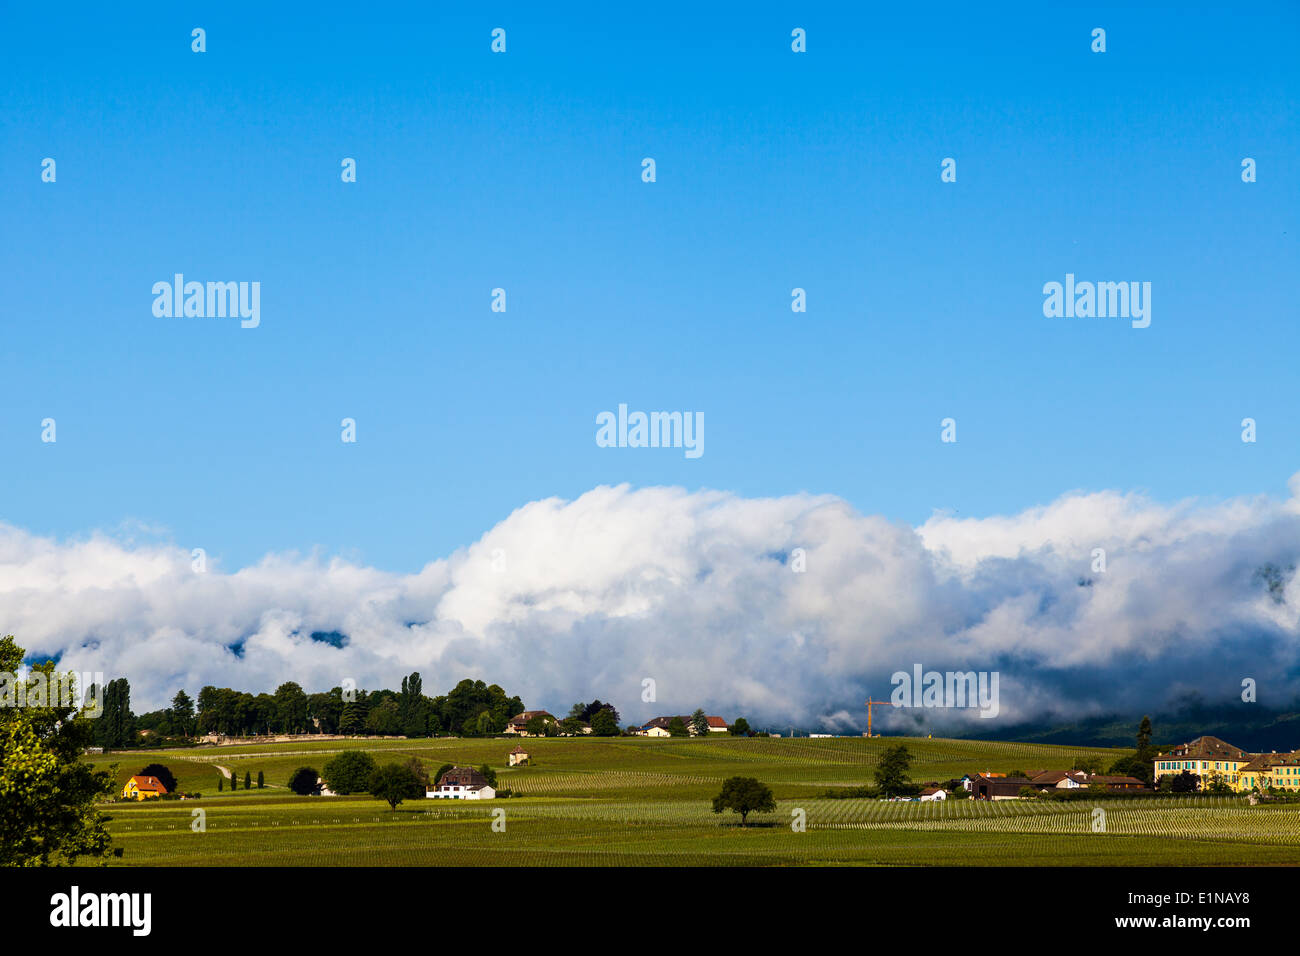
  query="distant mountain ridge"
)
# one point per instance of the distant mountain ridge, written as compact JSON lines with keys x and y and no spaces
{"x":1251,"y":727}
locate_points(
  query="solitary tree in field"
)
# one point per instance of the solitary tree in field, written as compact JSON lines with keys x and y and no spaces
{"x":248,"y":780}
{"x":221,"y":784}
{"x":303,"y":781}
{"x":891,"y":772}
{"x":395,"y":782}
{"x":744,"y":795}
{"x":261,"y":781}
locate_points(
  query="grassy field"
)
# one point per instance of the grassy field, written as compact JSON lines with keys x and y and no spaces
{"x":646,"y":802}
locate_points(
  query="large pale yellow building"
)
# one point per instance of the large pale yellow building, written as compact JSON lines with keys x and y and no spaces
{"x":1280,"y":771}
{"x":1211,"y":759}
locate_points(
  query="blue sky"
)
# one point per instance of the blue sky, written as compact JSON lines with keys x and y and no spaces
{"x":522,"y":171}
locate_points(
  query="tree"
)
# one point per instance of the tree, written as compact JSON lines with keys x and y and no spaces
{"x":261,"y":781}
{"x":352,"y":718}
{"x":395,"y":782}
{"x":700,"y":724}
{"x":350,"y":771}
{"x":605,"y":723}
{"x":165,"y":776}
{"x":572,"y":726}
{"x":1086,"y":764}
{"x":417,"y":768}
{"x":385,"y":720}
{"x":303,"y":781}
{"x":1186,"y":783}
{"x":114,"y":729}
{"x":744,"y":795}
{"x":490,"y":774}
{"x":676,"y":728}
{"x":181,"y":714}
{"x":1144,"y":739}
{"x":221,"y":783}
{"x":234,"y":781}
{"x":437,"y":776}
{"x":891,"y":772}
{"x":248,"y":781}
{"x":740,"y":728}
{"x":47,"y":792}
{"x":290,"y":709}
{"x":536,"y":726}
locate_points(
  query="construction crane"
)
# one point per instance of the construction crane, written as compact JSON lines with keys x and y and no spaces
{"x":872,"y":703}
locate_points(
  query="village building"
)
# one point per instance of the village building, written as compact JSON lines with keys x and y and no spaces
{"x":1206,"y":758}
{"x":517,"y":757}
{"x":929,"y":794}
{"x":142,"y":788}
{"x":996,"y":786}
{"x":518,"y":724}
{"x":659,"y":726}
{"x":1278,"y":771}
{"x":462,"y":783}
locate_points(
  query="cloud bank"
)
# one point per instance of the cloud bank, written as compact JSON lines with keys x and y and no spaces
{"x":699,"y":592}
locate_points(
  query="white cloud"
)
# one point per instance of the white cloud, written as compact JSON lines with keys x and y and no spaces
{"x":579,"y":599}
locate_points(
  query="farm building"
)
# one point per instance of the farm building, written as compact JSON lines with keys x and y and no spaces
{"x":517,"y":756}
{"x":519,"y":723}
{"x":142,"y":788}
{"x":933,"y":793}
{"x":996,"y":786}
{"x":659,"y":726}
{"x":462,"y":783}
{"x":1058,"y":779}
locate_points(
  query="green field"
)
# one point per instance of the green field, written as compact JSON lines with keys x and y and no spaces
{"x":637,"y":801}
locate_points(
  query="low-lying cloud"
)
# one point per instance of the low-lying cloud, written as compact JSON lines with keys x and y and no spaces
{"x":699,"y":592}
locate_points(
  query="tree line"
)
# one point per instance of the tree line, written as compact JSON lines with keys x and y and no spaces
{"x":471,"y":708}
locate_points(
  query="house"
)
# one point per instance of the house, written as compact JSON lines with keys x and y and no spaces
{"x":1205,"y":758}
{"x":517,"y":756}
{"x":659,"y":726}
{"x":518,"y":724}
{"x":996,"y":786}
{"x":1059,"y":779}
{"x":321,"y":790}
{"x":462,"y":783}
{"x":933,"y":793}
{"x":1280,"y":771}
{"x":142,"y":788}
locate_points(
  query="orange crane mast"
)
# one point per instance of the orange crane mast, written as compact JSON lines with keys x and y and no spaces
{"x":870,"y":704}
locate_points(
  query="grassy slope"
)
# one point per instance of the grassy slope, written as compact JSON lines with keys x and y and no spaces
{"x":643,"y":801}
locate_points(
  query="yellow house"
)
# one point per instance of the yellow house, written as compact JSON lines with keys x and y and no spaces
{"x":1279,"y":771}
{"x":142,"y":788}
{"x":1207,"y":758}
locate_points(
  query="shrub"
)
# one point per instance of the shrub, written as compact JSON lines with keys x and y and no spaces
{"x":350,"y":772}
{"x":303,"y":781}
